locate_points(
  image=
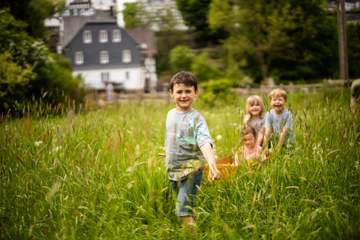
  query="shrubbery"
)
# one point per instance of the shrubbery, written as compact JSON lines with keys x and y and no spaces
{"x":30,"y":72}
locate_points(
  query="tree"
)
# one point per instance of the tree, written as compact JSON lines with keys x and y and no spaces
{"x":181,"y":58}
{"x":287,"y":39}
{"x":195,"y":14}
{"x":256,"y":29}
{"x":30,"y":71}
{"x":33,"y":12}
{"x":134,"y":15}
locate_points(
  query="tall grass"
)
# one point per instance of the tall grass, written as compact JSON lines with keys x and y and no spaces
{"x":100,"y":176}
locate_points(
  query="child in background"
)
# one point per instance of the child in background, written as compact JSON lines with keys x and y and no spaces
{"x":188,"y":143}
{"x":278,"y":122}
{"x":355,"y":96}
{"x":254,"y":117}
{"x":250,"y":151}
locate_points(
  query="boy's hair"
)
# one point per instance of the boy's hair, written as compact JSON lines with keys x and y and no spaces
{"x":183,"y":77}
{"x":246,"y":130}
{"x":278,"y":92}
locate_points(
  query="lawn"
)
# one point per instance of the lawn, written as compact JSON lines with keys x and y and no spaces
{"x":100,"y":175}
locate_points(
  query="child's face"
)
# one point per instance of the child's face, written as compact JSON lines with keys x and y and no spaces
{"x":249,"y":140}
{"x":255,"y":110}
{"x":278,"y":104}
{"x":183,"y":96}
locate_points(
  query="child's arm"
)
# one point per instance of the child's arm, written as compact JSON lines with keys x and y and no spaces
{"x":209,"y":155}
{"x":260,"y":137}
{"x":267,"y":139}
{"x":282,"y":138}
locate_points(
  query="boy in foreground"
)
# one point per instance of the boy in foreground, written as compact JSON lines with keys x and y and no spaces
{"x":188,"y":143}
{"x":278,"y":122}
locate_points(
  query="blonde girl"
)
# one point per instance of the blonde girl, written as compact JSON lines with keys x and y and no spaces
{"x":254,"y":117}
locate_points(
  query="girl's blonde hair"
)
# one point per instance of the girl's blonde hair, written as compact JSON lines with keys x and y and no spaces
{"x":250,"y":101}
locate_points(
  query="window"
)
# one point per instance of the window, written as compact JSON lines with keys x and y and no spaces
{"x":126,"y":56}
{"x":103,"y":36}
{"x":116,"y":36}
{"x":104,"y":57}
{"x":87,"y":37}
{"x":79,"y":58}
{"x":105,"y":77}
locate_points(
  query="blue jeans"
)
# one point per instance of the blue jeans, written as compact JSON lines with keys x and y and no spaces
{"x":186,"y":193}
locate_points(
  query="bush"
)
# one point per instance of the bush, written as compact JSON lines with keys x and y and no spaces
{"x":217,"y":91}
{"x":203,"y":69}
{"x":30,"y":73}
{"x":181,"y":58}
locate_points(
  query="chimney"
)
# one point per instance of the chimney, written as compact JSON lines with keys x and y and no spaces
{"x":119,"y":13}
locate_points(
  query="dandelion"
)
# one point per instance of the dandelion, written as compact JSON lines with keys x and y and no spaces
{"x":56,"y":149}
{"x":218,"y":137}
{"x":38,"y":143}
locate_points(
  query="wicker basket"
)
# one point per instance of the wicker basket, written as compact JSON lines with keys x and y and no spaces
{"x":225,"y":166}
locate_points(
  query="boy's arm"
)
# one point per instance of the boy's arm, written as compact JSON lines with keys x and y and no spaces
{"x":260,"y":136}
{"x":266,"y":138}
{"x":282,"y":138}
{"x":209,"y":155}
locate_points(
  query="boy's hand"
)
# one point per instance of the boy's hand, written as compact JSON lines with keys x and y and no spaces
{"x":214,"y":175}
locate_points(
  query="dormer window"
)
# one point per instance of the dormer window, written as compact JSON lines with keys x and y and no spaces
{"x":126,"y":56}
{"x":103,"y":36}
{"x":104,"y":57}
{"x":87,"y":37}
{"x":79,"y":58}
{"x":116,"y":36}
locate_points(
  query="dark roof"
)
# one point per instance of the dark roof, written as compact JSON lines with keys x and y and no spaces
{"x":145,"y":38}
{"x":91,"y":50}
{"x":72,"y":24}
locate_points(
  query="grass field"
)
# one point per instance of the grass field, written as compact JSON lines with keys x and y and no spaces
{"x":100,"y":175}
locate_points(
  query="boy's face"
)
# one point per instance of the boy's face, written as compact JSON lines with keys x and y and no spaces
{"x":278,"y":104}
{"x":183,"y":96}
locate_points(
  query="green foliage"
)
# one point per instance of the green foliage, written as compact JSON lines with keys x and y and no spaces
{"x":181,"y":58}
{"x":287,"y":39}
{"x":195,"y":14}
{"x":353,"y":31}
{"x":101,"y":176}
{"x":33,"y":12}
{"x":134,"y":14}
{"x":217,"y":92}
{"x":166,"y":40}
{"x":203,"y":69}
{"x":31,"y":72}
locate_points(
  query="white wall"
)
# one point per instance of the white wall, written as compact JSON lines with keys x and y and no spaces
{"x":92,"y":78}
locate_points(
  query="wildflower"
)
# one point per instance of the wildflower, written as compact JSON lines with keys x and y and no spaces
{"x":56,"y":149}
{"x":38,"y":143}
{"x":218,"y":137}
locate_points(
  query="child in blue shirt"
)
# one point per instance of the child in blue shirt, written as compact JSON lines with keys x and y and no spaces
{"x":278,"y":122}
{"x":188,"y":144}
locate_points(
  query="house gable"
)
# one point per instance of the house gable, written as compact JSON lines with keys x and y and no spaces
{"x":91,"y":51}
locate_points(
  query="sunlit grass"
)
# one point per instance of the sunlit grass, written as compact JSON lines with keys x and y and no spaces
{"x":101,"y":175}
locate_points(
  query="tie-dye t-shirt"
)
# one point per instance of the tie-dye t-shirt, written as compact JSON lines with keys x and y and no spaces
{"x":277,"y":122}
{"x":186,"y":133}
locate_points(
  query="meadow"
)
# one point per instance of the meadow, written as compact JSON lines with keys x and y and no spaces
{"x":100,"y":175}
